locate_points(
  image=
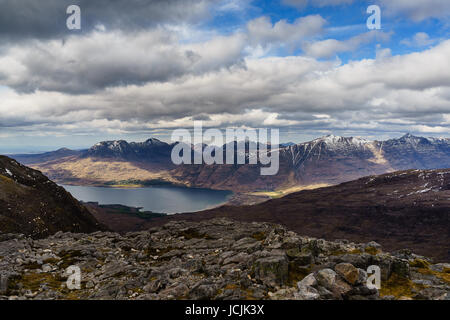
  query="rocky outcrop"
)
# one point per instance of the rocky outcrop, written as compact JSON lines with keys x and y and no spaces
{"x":219,"y":259}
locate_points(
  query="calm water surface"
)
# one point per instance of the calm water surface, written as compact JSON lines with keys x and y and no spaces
{"x":161,"y":199}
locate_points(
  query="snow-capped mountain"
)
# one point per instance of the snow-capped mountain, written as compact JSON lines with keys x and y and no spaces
{"x":151,"y":150}
{"x":326,"y":160}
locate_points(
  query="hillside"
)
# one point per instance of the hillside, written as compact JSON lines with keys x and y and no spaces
{"x":31,"y":204}
{"x":406,"y":209}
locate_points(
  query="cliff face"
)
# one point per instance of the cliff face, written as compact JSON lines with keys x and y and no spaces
{"x":33,"y":205}
{"x":218,"y":259}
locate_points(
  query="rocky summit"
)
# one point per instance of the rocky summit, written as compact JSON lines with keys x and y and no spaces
{"x":216,"y":259}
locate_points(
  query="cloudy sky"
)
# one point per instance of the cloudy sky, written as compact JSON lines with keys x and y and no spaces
{"x":140,"y":68}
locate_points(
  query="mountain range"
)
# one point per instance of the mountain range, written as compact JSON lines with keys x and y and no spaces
{"x":328,"y":160}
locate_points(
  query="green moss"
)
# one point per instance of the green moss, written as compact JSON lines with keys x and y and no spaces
{"x":397,"y":286}
{"x":69,"y":258}
{"x":419,"y":263}
{"x":297,"y":273}
{"x":260,"y":236}
{"x":444,"y":275}
{"x":372,"y":250}
{"x":400,"y":287}
{"x":33,"y":281}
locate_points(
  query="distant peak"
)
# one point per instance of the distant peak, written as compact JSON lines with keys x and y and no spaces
{"x":331,"y":138}
{"x":153,"y":141}
{"x":408,"y":135}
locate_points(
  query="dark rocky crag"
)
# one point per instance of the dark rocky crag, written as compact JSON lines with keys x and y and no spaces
{"x":219,"y":259}
{"x":33,"y":205}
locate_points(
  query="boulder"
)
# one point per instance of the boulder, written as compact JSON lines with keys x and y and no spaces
{"x":272,"y":270}
{"x":348,"y":272}
{"x":326,"y":278}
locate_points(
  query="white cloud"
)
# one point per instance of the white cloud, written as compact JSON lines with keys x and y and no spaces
{"x":101,"y":59}
{"x":261,"y":31}
{"x":417,"y":10}
{"x":289,"y":91}
{"x":301,"y":4}
{"x":330,"y":47}
{"x":420,"y":39}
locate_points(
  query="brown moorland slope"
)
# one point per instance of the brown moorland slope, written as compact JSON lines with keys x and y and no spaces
{"x":406,"y":209}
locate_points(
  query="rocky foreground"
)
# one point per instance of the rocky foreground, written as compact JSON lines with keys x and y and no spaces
{"x":216,"y":259}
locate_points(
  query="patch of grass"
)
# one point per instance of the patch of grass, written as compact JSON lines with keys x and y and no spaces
{"x":398,"y":287}
{"x":444,"y":275}
{"x":69,"y":258}
{"x":283,"y":192}
{"x":33,"y":281}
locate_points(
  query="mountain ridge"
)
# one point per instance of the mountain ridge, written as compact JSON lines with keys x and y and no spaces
{"x":326,"y":160}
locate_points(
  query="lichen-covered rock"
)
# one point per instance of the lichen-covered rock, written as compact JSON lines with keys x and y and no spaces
{"x":273,"y":270}
{"x":401,"y":267}
{"x":307,"y":293}
{"x":348,"y":272}
{"x":326,"y":278}
{"x":217,"y":259}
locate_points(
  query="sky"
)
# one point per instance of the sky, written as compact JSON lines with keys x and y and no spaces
{"x":142,"y":68}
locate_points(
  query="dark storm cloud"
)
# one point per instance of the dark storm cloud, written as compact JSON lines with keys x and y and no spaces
{"x":112,"y":59}
{"x":44,"y":19}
